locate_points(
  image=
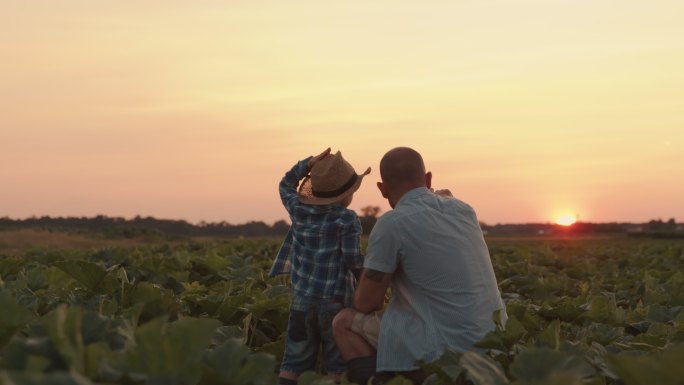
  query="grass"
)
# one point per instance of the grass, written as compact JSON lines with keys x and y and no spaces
{"x":17,"y":242}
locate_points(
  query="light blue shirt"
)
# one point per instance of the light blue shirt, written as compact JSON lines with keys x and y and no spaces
{"x":444,"y":291}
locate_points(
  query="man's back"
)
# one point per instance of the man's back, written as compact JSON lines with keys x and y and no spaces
{"x":444,"y":289}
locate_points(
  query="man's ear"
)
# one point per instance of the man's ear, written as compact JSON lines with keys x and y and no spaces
{"x":382,"y":189}
{"x":428,"y":179}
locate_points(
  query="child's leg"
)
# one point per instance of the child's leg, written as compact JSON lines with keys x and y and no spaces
{"x":287,"y":378}
{"x":301,"y":344}
{"x":334,"y":364}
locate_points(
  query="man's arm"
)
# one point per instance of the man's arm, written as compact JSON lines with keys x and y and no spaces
{"x":370,"y":295}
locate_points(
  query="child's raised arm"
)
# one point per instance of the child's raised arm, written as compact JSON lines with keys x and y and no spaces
{"x":288,"y":185}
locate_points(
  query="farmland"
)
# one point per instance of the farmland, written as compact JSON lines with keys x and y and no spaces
{"x":581,"y":311}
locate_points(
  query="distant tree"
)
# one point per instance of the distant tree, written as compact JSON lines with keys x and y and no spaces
{"x":370,"y":211}
{"x":659,"y":225}
{"x":280,"y":227}
{"x":369,"y":215}
{"x":253,"y":229}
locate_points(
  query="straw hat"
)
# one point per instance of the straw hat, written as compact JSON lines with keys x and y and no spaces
{"x":331,"y":180}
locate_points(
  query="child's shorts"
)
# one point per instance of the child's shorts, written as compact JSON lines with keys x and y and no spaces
{"x":310,"y":328}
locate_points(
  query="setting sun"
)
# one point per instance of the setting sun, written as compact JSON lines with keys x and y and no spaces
{"x":515,"y":109}
{"x":566,"y":219}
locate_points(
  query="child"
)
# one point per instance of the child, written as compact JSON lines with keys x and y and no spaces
{"x":320,"y":250}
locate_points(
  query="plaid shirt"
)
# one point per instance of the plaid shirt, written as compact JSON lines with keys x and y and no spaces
{"x":321,"y":247}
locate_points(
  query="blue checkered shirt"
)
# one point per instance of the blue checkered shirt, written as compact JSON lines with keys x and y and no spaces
{"x":322,"y":246}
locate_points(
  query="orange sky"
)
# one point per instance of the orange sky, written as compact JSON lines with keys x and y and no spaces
{"x":194,"y":110}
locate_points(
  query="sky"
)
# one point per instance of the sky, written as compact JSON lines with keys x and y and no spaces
{"x":194,"y":110}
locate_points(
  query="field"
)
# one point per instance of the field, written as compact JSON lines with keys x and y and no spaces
{"x":203,"y":311}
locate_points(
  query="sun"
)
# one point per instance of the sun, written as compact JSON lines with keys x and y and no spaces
{"x":566,"y":219}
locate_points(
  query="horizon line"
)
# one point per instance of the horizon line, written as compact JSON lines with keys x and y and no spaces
{"x":197,"y":223}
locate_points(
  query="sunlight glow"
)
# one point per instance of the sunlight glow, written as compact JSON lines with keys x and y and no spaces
{"x":566,"y":219}
{"x":526,"y":109}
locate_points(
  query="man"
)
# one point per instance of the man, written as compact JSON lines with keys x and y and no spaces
{"x":431,"y":251}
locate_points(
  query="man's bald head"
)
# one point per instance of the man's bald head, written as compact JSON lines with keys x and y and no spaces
{"x":402,"y":167}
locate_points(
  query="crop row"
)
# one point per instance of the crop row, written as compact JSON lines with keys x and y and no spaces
{"x":580,"y":312}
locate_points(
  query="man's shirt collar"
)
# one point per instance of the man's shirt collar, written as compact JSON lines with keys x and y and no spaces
{"x":411,"y":194}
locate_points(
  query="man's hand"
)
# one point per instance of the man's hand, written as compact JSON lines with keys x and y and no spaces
{"x":318,"y":157}
{"x":443,"y":193}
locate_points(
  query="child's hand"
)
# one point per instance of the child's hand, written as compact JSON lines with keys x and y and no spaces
{"x":318,"y":157}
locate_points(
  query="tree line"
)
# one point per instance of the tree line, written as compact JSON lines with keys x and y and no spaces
{"x":139,"y":226}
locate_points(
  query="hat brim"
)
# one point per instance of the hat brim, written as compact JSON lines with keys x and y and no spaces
{"x":306,"y":191}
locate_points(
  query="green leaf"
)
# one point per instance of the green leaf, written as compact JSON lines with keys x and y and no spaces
{"x":551,"y":335}
{"x":663,"y":313}
{"x":232,"y":309}
{"x":481,"y":370}
{"x":503,"y":340}
{"x":513,"y":332}
{"x":225,"y":333}
{"x":12,"y":317}
{"x":37,"y":364}
{"x":540,"y":365}
{"x":275,"y":348}
{"x":212,"y":262}
{"x":603,"y":333}
{"x":21,"y":353}
{"x":675,"y":288}
{"x":11,"y":266}
{"x":666,"y":369}
{"x":63,"y":326}
{"x":603,"y":310}
{"x":57,"y":278}
{"x":566,"y":311}
{"x":155,"y":298}
{"x":37,"y":279}
{"x":97,"y":328}
{"x":94,"y":355}
{"x":86,"y":273}
{"x":311,"y":378}
{"x":264,"y":304}
{"x":447,"y":366}
{"x":146,"y":292}
{"x":277,"y":291}
{"x":53,"y":378}
{"x":492,"y":340}
{"x":654,"y":291}
{"x":233,"y":363}
{"x":168,"y":353}
{"x":133,"y":313}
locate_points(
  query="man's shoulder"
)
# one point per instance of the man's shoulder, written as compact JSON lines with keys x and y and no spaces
{"x":455,"y":202}
{"x":388,"y":218}
{"x":386,"y":223}
{"x":427,"y":207}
